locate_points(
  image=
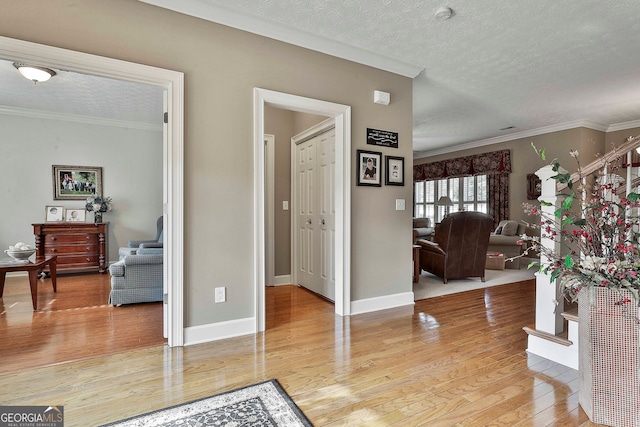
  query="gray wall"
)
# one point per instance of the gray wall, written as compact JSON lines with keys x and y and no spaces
{"x":222,"y":66}
{"x":131,"y":161}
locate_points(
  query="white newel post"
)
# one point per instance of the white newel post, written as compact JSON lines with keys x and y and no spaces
{"x":549,"y":300}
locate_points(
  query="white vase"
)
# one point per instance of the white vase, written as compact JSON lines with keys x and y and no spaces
{"x":609,"y":357}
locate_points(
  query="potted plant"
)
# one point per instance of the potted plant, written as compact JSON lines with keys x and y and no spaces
{"x":592,"y":253}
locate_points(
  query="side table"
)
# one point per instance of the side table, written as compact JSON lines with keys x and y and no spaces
{"x":416,"y":263}
{"x":33,"y":268}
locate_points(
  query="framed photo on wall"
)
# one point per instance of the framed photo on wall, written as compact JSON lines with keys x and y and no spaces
{"x":394,"y":170}
{"x":369,"y":168}
{"x":54,"y":213}
{"x":76,"y":182}
{"x":75,"y":215}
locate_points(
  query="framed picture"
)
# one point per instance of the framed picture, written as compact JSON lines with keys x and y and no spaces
{"x":75,"y":215}
{"x":54,"y":213}
{"x":368,"y":168}
{"x":534,"y":187}
{"x":394,"y":170}
{"x":76,"y":182}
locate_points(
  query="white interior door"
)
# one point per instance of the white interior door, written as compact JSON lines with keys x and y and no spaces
{"x":315,"y":202}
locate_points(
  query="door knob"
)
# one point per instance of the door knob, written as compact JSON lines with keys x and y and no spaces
{"x":322,"y":221}
{"x":309,"y":221}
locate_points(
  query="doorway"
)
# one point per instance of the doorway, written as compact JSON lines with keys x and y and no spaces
{"x":173,"y":149}
{"x":342,"y":186}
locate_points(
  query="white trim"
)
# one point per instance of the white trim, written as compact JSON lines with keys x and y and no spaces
{"x":262,"y":27}
{"x":527,"y":134}
{"x":52,"y":115}
{"x":382,"y":303}
{"x":624,"y":125}
{"x":269,"y":141}
{"x":285,"y":279}
{"x":173,"y":179}
{"x":342,"y":117}
{"x":218,"y":331}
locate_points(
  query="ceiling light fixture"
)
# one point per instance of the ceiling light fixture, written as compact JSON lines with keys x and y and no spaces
{"x":443,"y":13}
{"x":33,"y":73}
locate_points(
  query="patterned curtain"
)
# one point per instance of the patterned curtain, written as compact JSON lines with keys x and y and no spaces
{"x":496,"y":165}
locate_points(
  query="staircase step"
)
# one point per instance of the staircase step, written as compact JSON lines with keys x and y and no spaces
{"x":547,"y":336}
{"x":571,"y":315}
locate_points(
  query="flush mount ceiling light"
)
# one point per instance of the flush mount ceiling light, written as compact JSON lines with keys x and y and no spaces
{"x":443,"y":13}
{"x":33,"y":73}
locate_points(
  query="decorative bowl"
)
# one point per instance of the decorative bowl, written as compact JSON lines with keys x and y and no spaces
{"x":20,"y":255}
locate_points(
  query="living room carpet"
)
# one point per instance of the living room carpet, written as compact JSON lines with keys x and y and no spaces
{"x":431,"y":286}
{"x":262,"y":404}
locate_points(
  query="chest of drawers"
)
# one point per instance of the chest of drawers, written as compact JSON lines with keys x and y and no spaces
{"x":79,"y":246}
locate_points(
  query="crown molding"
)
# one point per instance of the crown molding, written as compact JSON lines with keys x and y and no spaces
{"x":624,"y":125}
{"x":208,"y":12}
{"x":39,"y":114}
{"x":513,"y":136}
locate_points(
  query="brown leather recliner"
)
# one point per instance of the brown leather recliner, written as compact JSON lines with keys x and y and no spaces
{"x":459,"y":247}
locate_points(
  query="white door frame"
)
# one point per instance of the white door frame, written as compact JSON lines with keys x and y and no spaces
{"x":173,"y":148}
{"x":269,"y":142}
{"x":342,"y":116}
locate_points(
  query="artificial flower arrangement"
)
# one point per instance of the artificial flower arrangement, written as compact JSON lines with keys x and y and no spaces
{"x":597,"y":231}
{"x":98,"y":204}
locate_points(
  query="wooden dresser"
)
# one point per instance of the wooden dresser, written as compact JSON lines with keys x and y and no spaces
{"x":79,"y":246}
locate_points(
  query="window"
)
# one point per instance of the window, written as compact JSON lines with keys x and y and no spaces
{"x":467,"y":193}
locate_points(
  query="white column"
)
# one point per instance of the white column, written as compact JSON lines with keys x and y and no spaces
{"x":549,"y":299}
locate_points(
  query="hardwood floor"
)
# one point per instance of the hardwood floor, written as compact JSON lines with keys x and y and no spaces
{"x":74,"y":323}
{"x":456,"y":360}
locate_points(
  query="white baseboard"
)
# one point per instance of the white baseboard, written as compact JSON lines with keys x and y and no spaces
{"x":219,"y":331}
{"x":382,"y":303}
{"x":282,"y":280}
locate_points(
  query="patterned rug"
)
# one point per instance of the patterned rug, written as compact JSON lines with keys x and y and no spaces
{"x":263,"y":404}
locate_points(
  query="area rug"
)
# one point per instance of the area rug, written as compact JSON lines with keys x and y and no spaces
{"x":431,"y":286}
{"x":263,"y":404}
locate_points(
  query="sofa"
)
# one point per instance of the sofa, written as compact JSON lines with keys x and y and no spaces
{"x":134,"y":245}
{"x":506,"y":239}
{"x":422,"y":229}
{"x":136,"y":278}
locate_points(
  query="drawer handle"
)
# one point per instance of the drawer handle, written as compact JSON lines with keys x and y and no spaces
{"x":53,"y":238}
{"x":53,"y":249}
{"x":88,"y":237}
{"x":88,"y":259}
{"x":88,"y":248}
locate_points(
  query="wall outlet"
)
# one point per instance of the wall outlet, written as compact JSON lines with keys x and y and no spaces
{"x":400,"y":205}
{"x":221,"y":294}
{"x":285,"y":205}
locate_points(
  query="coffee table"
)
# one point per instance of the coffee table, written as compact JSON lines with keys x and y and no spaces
{"x":34,"y":268}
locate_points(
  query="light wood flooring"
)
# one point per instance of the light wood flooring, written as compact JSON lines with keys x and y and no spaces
{"x":455,"y":360}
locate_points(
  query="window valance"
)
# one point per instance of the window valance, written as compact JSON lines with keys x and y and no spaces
{"x":495,"y":162}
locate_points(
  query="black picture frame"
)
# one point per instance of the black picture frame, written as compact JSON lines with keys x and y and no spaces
{"x":365,"y":161}
{"x":394,"y":170}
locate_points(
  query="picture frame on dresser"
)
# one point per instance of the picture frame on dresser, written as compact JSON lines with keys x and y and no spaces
{"x":75,"y":215}
{"x":76,"y":182}
{"x":54,"y":213}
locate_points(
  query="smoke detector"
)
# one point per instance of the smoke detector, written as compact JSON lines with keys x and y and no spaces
{"x":443,"y":13}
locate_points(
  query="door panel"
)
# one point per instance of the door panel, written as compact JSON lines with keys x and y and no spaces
{"x":315,"y":162}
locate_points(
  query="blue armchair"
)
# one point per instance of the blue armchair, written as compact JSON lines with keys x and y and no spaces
{"x":153,"y":246}
{"x":136,"y":278}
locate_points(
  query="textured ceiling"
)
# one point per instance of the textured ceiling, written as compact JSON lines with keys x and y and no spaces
{"x":81,"y":96}
{"x":495,"y":64}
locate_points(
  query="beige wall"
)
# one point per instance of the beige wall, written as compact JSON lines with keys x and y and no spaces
{"x":222,"y":66}
{"x":524,"y":160}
